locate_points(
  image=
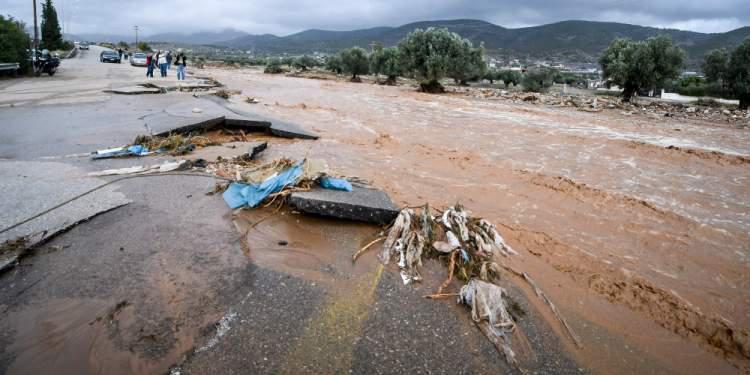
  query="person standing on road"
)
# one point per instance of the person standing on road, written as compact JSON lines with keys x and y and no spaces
{"x":169,"y":60}
{"x":162,"y":61}
{"x":181,"y":65}
{"x":150,"y":65}
{"x":119,"y":52}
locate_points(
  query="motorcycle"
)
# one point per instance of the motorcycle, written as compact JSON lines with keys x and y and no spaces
{"x":43,"y":62}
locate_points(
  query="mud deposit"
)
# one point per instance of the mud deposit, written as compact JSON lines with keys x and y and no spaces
{"x":637,"y":217}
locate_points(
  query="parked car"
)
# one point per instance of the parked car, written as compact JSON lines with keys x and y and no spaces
{"x":83,"y":45}
{"x":138,"y":59}
{"x":109,"y":56}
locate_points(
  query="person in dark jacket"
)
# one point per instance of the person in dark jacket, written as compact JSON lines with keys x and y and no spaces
{"x":169,"y":59}
{"x":181,"y":62}
{"x":150,"y":65}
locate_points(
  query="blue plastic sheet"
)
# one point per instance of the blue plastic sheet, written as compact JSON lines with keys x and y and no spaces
{"x":335,"y":184}
{"x":240,"y":195}
{"x":135,"y":150}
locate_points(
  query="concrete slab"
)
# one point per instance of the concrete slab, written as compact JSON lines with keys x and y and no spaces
{"x":182,"y":118}
{"x":362,"y":204}
{"x":32,"y":187}
{"x":163,"y":124}
{"x":134,"y":90}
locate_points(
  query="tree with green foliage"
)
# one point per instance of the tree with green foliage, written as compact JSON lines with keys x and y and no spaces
{"x":641,"y":65}
{"x":51,"y":34}
{"x":273,"y":66}
{"x":123,"y":45}
{"x":305,"y":62}
{"x":433,"y":54}
{"x":715,"y":65}
{"x":386,"y":61}
{"x":731,"y":71}
{"x":14,"y":42}
{"x":466,"y":63}
{"x":738,"y":73}
{"x":143,"y":46}
{"x":509,"y":76}
{"x":288,"y":61}
{"x":333,"y":64}
{"x":355,"y":61}
{"x":538,"y":79}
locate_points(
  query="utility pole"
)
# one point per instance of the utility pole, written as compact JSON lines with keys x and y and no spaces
{"x":136,"y":36}
{"x":36,"y":31}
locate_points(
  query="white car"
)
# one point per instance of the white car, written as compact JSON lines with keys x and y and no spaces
{"x":138,"y":59}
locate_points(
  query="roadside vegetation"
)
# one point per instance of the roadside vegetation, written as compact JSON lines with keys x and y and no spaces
{"x":14,"y":43}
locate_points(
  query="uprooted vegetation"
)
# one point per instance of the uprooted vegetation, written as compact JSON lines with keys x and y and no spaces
{"x":470,"y":248}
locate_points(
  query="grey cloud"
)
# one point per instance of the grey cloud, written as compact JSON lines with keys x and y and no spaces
{"x":288,"y":16}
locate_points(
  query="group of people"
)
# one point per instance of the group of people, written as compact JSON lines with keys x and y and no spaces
{"x":163,"y":61}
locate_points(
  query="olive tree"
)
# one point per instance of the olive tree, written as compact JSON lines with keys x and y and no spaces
{"x":538,"y":79}
{"x":715,"y":65}
{"x":333,"y":64}
{"x":355,"y":62}
{"x":466,"y":63}
{"x":386,"y":61}
{"x":433,"y":54}
{"x":273,"y":66}
{"x":510,"y":76}
{"x":641,"y":65}
{"x":304,"y":62}
{"x":732,"y":70}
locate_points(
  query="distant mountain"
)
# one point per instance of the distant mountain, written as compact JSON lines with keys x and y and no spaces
{"x":196,"y":38}
{"x":578,"y":41}
{"x":182,"y":38}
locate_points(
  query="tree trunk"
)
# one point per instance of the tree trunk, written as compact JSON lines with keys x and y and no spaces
{"x":744,"y":102}
{"x":627,"y":93}
{"x":391,"y":81}
{"x":432,"y":87}
{"x":355,"y":79}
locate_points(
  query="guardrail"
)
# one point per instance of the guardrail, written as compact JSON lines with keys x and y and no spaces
{"x":4,"y":67}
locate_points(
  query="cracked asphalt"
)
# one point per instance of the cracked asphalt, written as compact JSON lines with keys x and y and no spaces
{"x":142,"y":288}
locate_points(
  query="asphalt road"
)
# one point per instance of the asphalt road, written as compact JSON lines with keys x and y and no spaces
{"x":163,"y":283}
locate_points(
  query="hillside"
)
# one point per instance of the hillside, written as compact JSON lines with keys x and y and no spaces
{"x":567,"y":40}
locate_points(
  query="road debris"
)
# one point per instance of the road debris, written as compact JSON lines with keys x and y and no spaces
{"x":118,"y":152}
{"x":156,"y":168}
{"x":490,"y":313}
{"x":469,"y":246}
{"x":11,"y":251}
{"x":362,"y":204}
{"x":335,"y":184}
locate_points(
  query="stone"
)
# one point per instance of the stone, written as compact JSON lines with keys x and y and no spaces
{"x":362,"y":204}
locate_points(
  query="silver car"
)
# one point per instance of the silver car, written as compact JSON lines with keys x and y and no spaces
{"x":138,"y":59}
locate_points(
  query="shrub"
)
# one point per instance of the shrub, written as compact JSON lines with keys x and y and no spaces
{"x":14,"y":42}
{"x":273,"y":67}
{"x":538,"y":79}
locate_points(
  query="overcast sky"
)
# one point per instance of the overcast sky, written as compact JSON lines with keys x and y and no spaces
{"x":283,"y":17}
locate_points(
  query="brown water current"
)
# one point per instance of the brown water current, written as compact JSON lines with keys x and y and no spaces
{"x":632,"y":217}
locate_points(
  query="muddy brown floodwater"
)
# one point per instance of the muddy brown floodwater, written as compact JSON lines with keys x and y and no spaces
{"x":638,"y":227}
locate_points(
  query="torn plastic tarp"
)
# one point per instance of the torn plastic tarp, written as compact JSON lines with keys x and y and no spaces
{"x":135,"y":150}
{"x":335,"y":184}
{"x":490,"y":312}
{"x":250,"y":195}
